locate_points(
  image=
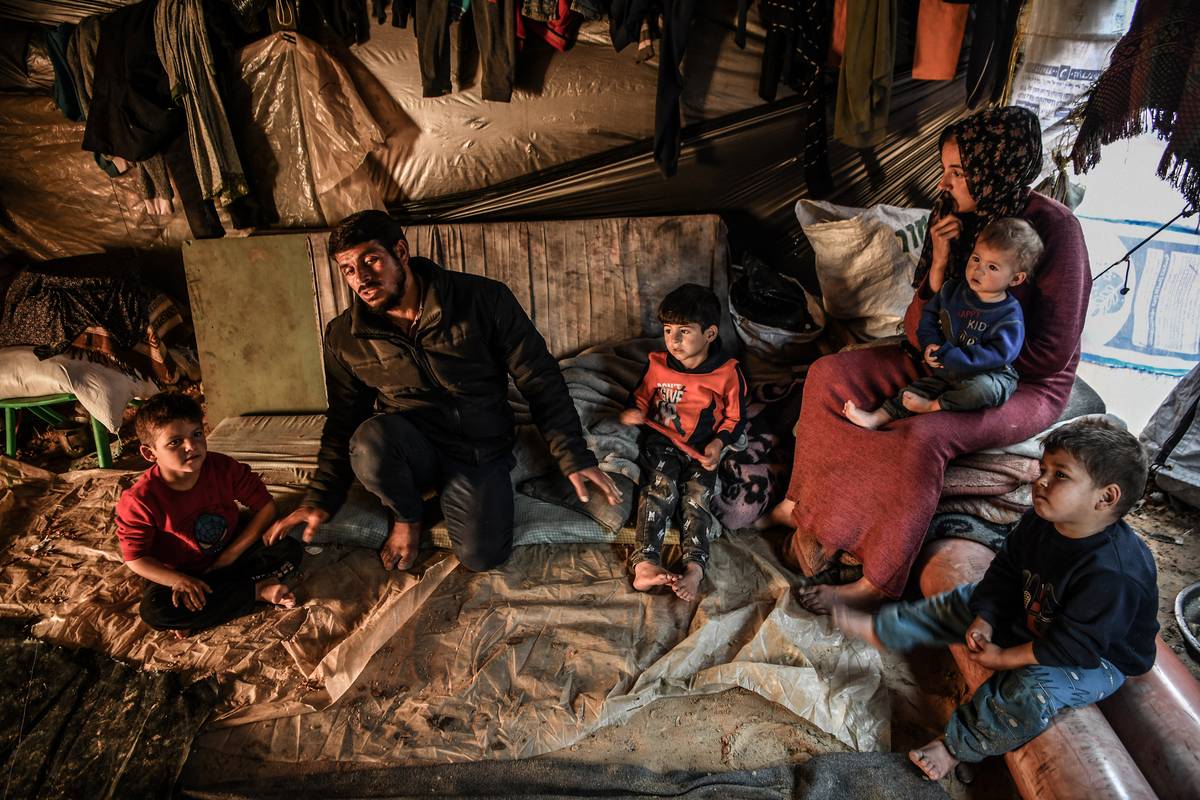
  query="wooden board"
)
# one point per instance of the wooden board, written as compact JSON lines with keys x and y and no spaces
{"x":253,"y":308}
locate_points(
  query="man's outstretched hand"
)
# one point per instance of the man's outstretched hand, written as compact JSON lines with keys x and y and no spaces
{"x":310,"y":517}
{"x":601,"y":480}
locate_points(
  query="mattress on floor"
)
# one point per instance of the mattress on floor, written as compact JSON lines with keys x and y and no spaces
{"x":282,"y":448}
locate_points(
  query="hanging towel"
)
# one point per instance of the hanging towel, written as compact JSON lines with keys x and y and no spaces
{"x":940,"y":28}
{"x":865,"y":83}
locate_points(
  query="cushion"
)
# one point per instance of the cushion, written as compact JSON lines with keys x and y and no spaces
{"x":103,"y":391}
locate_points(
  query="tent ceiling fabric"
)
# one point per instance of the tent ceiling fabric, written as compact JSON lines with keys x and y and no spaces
{"x":52,"y":12}
{"x":574,"y":142}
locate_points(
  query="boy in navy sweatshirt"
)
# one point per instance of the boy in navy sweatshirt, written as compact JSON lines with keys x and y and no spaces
{"x":1066,"y":610}
{"x":970,"y":331}
{"x":691,"y":402}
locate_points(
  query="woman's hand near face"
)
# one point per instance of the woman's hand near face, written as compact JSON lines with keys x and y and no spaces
{"x":941,"y":234}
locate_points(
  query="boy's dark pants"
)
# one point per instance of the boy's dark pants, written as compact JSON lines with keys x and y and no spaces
{"x":232,"y":594}
{"x":985,"y":390}
{"x":1011,"y":707}
{"x":395,"y":462}
{"x":665,"y":471}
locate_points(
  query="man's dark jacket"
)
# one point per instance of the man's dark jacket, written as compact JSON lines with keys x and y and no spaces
{"x":450,"y":379}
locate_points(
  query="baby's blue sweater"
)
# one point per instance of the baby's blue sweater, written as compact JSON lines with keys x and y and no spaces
{"x":973,"y":336}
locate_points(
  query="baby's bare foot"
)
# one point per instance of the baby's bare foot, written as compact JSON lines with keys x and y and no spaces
{"x":647,"y":575}
{"x":276,"y":593}
{"x":779,"y":516}
{"x":919,"y":405}
{"x":688,"y":586}
{"x":933,"y":759}
{"x":864,"y":419}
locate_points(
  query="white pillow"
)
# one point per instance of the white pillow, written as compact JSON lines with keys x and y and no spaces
{"x":865,"y":260}
{"x":102,"y":390}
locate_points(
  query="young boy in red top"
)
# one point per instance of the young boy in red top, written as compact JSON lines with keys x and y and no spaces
{"x":177,"y":526}
{"x":690,"y":401}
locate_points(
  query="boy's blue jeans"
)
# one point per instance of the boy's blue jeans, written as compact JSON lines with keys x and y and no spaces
{"x":1013,"y":706}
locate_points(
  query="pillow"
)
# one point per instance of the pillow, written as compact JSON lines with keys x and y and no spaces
{"x":102,"y":390}
{"x":865,"y":260}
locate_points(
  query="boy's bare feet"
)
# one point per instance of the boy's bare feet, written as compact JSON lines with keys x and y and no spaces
{"x":400,"y":549}
{"x":861,"y":595}
{"x":647,"y":575}
{"x":857,"y":625}
{"x":779,"y":516}
{"x":272,"y":591}
{"x":865,"y":419}
{"x":688,"y":586}
{"x":933,"y":759}
{"x":919,"y":405}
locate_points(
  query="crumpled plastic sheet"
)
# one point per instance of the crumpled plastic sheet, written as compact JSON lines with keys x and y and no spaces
{"x":531,"y":657}
{"x":309,"y":132}
{"x":443,"y":665}
{"x":60,"y":565}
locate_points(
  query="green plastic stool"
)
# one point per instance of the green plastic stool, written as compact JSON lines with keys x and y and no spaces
{"x":40,"y":408}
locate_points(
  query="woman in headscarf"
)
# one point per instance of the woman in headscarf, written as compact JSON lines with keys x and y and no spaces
{"x":872,"y":493}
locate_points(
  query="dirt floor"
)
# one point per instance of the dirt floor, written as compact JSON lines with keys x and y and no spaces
{"x":740,"y":730}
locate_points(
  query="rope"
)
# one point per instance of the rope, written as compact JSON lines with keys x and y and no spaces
{"x":1186,"y":212}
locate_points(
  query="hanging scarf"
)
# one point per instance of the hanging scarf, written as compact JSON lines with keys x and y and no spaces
{"x":1155,"y":68}
{"x":1000,"y":150}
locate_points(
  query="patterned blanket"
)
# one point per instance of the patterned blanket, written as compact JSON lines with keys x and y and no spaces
{"x":109,"y":319}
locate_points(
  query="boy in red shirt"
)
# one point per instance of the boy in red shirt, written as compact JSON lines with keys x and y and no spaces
{"x":177,"y":526}
{"x":690,"y":401}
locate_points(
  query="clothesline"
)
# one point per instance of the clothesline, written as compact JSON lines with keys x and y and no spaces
{"x":1185,"y":213}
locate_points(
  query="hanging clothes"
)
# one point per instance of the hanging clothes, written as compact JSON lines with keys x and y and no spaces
{"x":1154,"y":78}
{"x":495,"y":23}
{"x":625,"y":25}
{"x":992,"y":34}
{"x":940,"y":29}
{"x":865,"y":83}
{"x":496,"y":35}
{"x":181,"y":39}
{"x":558,"y":31}
{"x":131,"y":114}
{"x":66,"y":96}
{"x":796,"y":47}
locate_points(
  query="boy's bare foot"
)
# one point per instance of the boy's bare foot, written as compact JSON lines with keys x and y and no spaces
{"x":856,"y":624}
{"x":400,"y":549}
{"x":779,"y":516}
{"x":919,"y":405}
{"x":647,"y":575}
{"x":688,"y":586}
{"x":276,"y":593}
{"x":933,"y":759}
{"x":865,"y":419}
{"x":861,"y":595}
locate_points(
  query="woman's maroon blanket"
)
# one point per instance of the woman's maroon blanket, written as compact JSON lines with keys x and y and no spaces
{"x":873,"y":493}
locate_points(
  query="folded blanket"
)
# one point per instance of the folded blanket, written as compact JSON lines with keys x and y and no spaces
{"x":994,"y":485}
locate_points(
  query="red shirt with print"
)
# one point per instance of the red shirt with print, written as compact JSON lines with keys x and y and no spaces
{"x":186,"y":530}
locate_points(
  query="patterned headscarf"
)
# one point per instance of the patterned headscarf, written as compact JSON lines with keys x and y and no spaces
{"x":1001,"y":154}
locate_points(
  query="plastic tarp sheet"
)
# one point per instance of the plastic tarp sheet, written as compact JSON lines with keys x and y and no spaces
{"x":312,"y":133}
{"x":442,"y":665}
